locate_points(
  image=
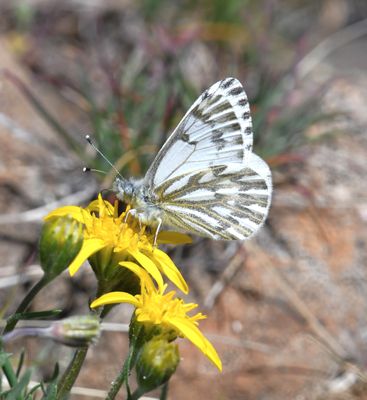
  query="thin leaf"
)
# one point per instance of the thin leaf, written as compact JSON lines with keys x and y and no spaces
{"x":16,"y":391}
{"x":20,"y":363}
{"x":51,"y":391}
{"x":33,"y":390}
{"x":48,"y":314}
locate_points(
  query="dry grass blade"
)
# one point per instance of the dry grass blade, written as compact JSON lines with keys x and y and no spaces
{"x":320,"y":333}
{"x":37,"y":214}
{"x":329,"y":45}
{"x":228,"y":274}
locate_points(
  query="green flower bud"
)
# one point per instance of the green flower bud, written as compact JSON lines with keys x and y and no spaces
{"x":141,"y":332}
{"x":75,"y":331}
{"x":60,"y":242}
{"x":110,"y":275}
{"x":156,"y":362}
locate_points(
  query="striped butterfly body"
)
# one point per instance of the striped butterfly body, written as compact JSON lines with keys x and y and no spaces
{"x":205,"y":179}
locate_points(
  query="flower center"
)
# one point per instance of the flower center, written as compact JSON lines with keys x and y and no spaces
{"x":117,"y":233}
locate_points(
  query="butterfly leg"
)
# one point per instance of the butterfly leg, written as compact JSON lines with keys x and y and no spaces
{"x":157,"y":231}
{"x":131,"y":212}
{"x":127,"y":216}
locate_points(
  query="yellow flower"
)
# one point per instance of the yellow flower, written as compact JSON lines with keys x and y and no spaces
{"x":155,"y":308}
{"x":112,"y":238}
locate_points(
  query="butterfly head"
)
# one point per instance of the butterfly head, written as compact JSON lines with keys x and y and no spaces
{"x":124,"y":189}
{"x":138,"y":196}
{"x":132,"y":192}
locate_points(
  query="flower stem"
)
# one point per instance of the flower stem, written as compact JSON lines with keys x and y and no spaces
{"x":13,"y":320}
{"x":25,"y":331}
{"x":117,"y":383}
{"x":123,"y":376}
{"x":137,"y":394}
{"x":70,"y":375}
{"x":164,"y":392}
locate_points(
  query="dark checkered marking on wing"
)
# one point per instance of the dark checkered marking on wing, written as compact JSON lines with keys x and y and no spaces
{"x":236,"y":91}
{"x":219,"y":108}
{"x":250,"y":191}
{"x":226,"y":83}
{"x":217,"y":137}
{"x":216,"y":128}
{"x":242,"y":102}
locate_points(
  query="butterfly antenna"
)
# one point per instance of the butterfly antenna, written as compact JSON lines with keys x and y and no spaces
{"x":85,"y":169}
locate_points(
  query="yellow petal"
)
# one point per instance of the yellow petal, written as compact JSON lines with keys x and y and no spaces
{"x":170,"y":270}
{"x":113,"y":298}
{"x":93,"y":206}
{"x":144,"y":317}
{"x":101,"y":206}
{"x":74,"y":211}
{"x":193,"y":333}
{"x":144,"y":277}
{"x":168,"y":237}
{"x":89,"y":247}
{"x":149,"y":266}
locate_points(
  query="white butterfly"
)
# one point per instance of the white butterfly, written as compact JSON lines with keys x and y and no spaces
{"x":205,"y":179}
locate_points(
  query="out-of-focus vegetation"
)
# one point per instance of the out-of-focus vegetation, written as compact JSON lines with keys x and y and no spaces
{"x":133,"y":70}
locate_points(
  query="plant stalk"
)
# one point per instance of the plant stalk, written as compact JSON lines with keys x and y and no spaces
{"x":123,"y":376}
{"x":70,"y":375}
{"x":164,"y":392}
{"x":13,"y":320}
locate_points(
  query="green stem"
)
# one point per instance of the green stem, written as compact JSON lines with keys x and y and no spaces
{"x":123,"y":376}
{"x":70,"y":375}
{"x":117,"y":383}
{"x":11,"y":323}
{"x":164,"y":392}
{"x":13,"y":320}
{"x":137,"y":394}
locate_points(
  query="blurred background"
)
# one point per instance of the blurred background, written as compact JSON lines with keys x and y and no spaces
{"x":287,"y":311}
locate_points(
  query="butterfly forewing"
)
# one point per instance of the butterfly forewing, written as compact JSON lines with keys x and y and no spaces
{"x":216,"y":130}
{"x":205,"y":179}
{"x":222,"y":202}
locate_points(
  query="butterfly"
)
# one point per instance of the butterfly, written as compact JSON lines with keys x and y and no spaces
{"x":205,"y":179}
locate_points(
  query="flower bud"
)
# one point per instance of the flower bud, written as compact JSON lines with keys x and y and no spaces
{"x":75,"y":331}
{"x":60,"y":242}
{"x":156,"y":362}
{"x":141,"y":332}
{"x":110,"y":276}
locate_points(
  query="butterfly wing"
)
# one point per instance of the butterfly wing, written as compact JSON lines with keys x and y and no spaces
{"x":216,"y":130}
{"x":205,"y":179}
{"x":221,"y":202}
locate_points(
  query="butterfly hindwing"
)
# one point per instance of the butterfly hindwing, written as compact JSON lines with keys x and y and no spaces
{"x":221,"y":202}
{"x":216,"y":130}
